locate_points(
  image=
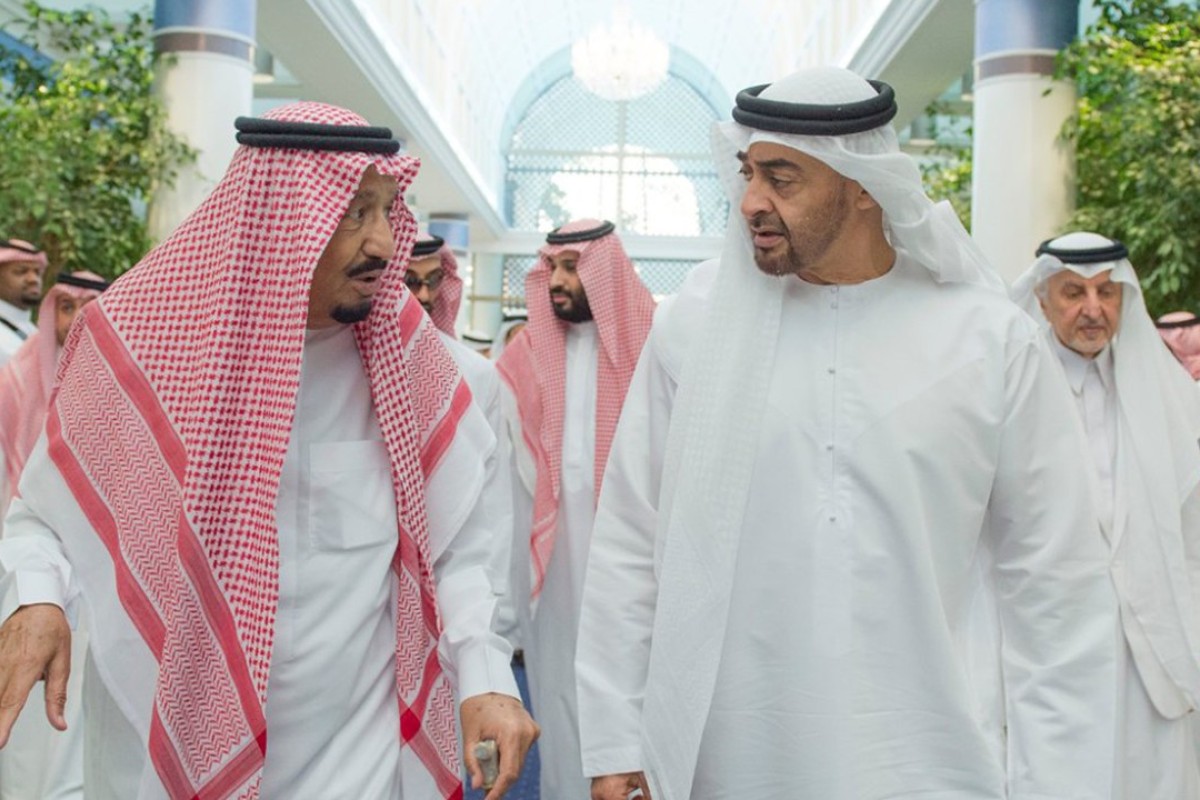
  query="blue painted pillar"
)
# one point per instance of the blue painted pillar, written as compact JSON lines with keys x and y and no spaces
{"x":206,"y":79}
{"x":1022,"y":184}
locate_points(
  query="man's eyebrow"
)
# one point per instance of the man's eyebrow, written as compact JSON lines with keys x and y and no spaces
{"x":772,"y":163}
{"x":779,"y":163}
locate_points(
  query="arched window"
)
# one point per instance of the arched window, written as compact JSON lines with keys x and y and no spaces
{"x":645,"y":164}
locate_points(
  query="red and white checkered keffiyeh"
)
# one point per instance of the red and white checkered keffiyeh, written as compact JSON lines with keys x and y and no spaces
{"x":194,"y":356}
{"x":534,"y":366}
{"x":25,"y":383}
{"x":445,"y":307}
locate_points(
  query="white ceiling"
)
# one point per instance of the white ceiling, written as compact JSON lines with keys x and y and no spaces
{"x":447,"y":74}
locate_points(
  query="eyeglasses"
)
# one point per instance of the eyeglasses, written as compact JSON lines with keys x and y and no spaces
{"x":415,"y":282}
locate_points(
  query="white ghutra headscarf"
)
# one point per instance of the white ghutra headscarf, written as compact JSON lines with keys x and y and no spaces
{"x":726,"y":372}
{"x":1157,"y":470}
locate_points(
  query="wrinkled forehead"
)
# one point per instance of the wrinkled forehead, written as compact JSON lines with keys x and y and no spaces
{"x":1090,"y":278}
{"x":1059,"y":273}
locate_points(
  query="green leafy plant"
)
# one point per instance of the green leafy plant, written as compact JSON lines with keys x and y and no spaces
{"x":946,"y":166}
{"x":86,"y":142}
{"x":1137,"y":140}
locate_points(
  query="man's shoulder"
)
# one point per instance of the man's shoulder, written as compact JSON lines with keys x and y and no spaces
{"x":477,"y":370}
{"x":679,"y":318}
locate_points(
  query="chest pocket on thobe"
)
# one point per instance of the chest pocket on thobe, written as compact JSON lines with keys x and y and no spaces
{"x":352,"y":502}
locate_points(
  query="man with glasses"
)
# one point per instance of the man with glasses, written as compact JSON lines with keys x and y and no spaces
{"x":432,"y":277}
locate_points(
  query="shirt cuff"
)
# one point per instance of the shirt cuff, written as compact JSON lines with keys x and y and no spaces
{"x":612,"y":761}
{"x":486,"y":668}
{"x":30,"y":587}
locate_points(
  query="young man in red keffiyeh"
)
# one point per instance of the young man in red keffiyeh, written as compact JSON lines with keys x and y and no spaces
{"x":263,"y":474}
{"x":568,"y":370}
{"x":38,"y":760}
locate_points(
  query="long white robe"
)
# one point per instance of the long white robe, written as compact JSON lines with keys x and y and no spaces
{"x":1155,"y":757}
{"x":332,"y":712}
{"x":486,"y":387}
{"x":909,"y":426}
{"x":550,"y":655}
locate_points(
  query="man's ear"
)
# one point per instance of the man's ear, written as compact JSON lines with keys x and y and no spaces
{"x":862,"y":199}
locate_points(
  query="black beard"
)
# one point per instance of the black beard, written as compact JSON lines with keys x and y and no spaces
{"x":348,"y":315}
{"x":579,"y":310}
{"x":428,"y":307}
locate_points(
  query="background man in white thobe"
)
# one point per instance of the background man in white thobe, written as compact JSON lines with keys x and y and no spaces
{"x":1141,"y":414}
{"x":432,"y":277}
{"x":568,"y":370}
{"x":22,"y":267}
{"x":277,"y":524}
{"x":828,"y":428}
{"x":39,"y":761}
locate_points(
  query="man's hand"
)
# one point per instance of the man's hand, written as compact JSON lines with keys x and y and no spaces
{"x":35,"y":643}
{"x":505,"y":720}
{"x":619,"y":787}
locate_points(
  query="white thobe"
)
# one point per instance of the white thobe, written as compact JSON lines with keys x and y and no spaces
{"x":1155,"y":758}
{"x":39,"y":761}
{"x":332,"y":712}
{"x":550,"y":656}
{"x":16,"y":325}
{"x":484,"y":382}
{"x":905,"y":429}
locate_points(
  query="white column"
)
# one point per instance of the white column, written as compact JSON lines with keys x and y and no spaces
{"x":206,"y":80}
{"x":1022,"y":188}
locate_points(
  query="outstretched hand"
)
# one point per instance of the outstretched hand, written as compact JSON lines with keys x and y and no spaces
{"x":35,"y":643}
{"x":504,"y":720}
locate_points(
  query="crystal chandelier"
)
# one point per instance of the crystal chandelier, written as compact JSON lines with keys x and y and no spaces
{"x":621,"y":60}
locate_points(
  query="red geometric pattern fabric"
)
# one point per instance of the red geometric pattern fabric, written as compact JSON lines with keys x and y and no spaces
{"x":194,"y":356}
{"x":534,"y":366}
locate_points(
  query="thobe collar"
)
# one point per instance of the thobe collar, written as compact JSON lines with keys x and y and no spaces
{"x":313,"y":335}
{"x":581,"y":330}
{"x":1076,"y":366}
{"x":21,"y":316}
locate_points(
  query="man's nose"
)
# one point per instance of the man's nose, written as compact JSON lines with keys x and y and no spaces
{"x":754,"y":202}
{"x":379,"y":242}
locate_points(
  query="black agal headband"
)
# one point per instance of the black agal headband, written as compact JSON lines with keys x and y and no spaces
{"x":1183,"y":323}
{"x":815,"y":120}
{"x":1091,"y":255}
{"x":67,"y":279}
{"x":427,"y":247}
{"x":257,"y":132}
{"x":24,"y":248}
{"x":603,"y":229}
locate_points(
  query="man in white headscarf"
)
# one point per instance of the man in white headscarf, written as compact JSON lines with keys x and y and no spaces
{"x":1142,"y":419}
{"x":808,"y":472}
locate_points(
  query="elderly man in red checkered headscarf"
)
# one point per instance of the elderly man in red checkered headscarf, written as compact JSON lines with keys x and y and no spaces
{"x":568,"y":370}
{"x":263,"y":474}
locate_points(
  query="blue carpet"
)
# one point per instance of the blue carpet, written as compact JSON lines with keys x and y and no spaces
{"x":527,"y":785}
